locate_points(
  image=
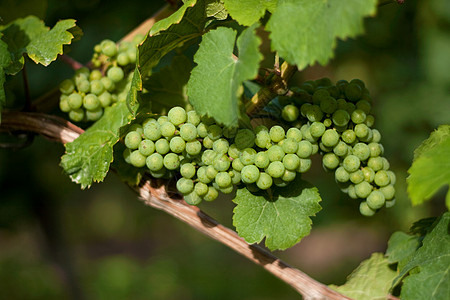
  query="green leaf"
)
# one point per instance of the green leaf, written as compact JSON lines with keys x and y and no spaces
{"x":250,"y":11}
{"x":216,"y":82}
{"x":304,"y":32}
{"x":430,"y":170}
{"x":371,"y":280}
{"x":127,"y":172}
{"x":174,"y":18}
{"x":87,"y":159}
{"x":216,"y":9}
{"x":401,"y":247}
{"x":431,"y":266}
{"x":283,"y":219}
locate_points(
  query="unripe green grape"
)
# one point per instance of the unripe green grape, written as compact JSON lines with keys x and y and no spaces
{"x":237,"y":165}
{"x":84,"y":86}
{"x":171,"y":161}
{"x":289,"y":145}
{"x":315,"y":148}
{"x":365,"y":210}
{"x":177,"y":115}
{"x":193,"y":118}
{"x":350,"y":107}
{"x":95,"y":75}
{"x":330,"y":138}
{"x":275,"y":153}
{"x":314,"y":114}
{"x":317,"y":129}
{"x":290,"y":113}
{"x":133,"y":139}
{"x":97,"y":87}
{"x":327,"y":122}
{"x":201,"y":189}
{"x":330,"y":161}
{"x":376,"y":136}
{"x":351,"y":163}
{"x":341,"y":175}
{"x":275,"y":169}
{"x":108,"y":47}
{"x":386,"y":164}
{"x":308,"y":86}
{"x":221,"y":146}
{"x":230,"y":133}
{"x":291,"y":162}
{"x":261,"y":159}
{"x":75,"y":101}
{"x":375,"y":149}
{"x":348,"y":136}
{"x":358,"y":116}
{"x":381,"y":178}
{"x":211,"y":172}
{"x":262,"y":139}
{"x":187,"y":170}
{"x":358,"y":82}
{"x":214,"y":132}
{"x":288,"y":176}
{"x":369,"y":174}
{"x":223,"y":179}
{"x":375,"y":163}
{"x":146,"y":147}
{"x":363,"y":189}
{"x":91,"y":102}
{"x":131,"y":53}
{"x":361,"y":150}
{"x":375,"y":200}
{"x":305,"y":165}
{"x":167,"y":129}
{"x":247,"y":156}
{"x":193,"y":198}
{"x":325,"y":148}
{"x":353,"y":92}
{"x":185,"y":185}
{"x":152,"y":131}
{"x":341,"y":149}
{"x":388,"y":191}
{"x":305,"y":108}
{"x":208,"y":142}
{"x":122,"y":59}
{"x":226,"y":190}
{"x":105,"y":99}
{"x":351,"y":191}
{"x":64,"y":104}
{"x":115,"y":74}
{"x":137,"y":159}
{"x":162,"y":146}
{"x":304,"y":149}
{"x":306,"y":134}
{"x":193,"y":148}
{"x":222,"y":163}
{"x":148,"y":121}
{"x":328,"y":105}
{"x":390,"y":203}
{"x":364,"y":105}
{"x":177,"y":144}
{"x":264,"y":181}
{"x":235,"y":177}
{"x":202,"y":176}
{"x":188,"y":132}
{"x":67,"y":86}
{"x":362,"y":131}
{"x":208,"y":157}
{"x":370,"y":120}
{"x":319,"y":95}
{"x":276,"y":133}
{"x":76,"y":115}
{"x":392,"y":177}
{"x":233,"y":151}
{"x":249,"y":174}
{"x":293,"y":133}
{"x":126,"y":155}
{"x":211,"y":195}
{"x":280,"y":182}
{"x":357,"y":176}
{"x":323,"y":82}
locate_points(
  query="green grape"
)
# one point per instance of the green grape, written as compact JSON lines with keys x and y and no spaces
{"x":91,"y":102}
{"x":201,"y":189}
{"x":233,"y":151}
{"x":291,"y":162}
{"x":330,"y":138}
{"x":357,"y":176}
{"x":330,"y":161}
{"x":105,"y":99}
{"x":392,"y":177}
{"x":208,"y":157}
{"x":193,"y":198}
{"x":152,"y":131}
{"x":341,"y":149}
{"x":358,"y":82}
{"x":171,"y":161}
{"x":193,"y":118}
{"x":369,"y":174}
{"x":341,"y":175}
{"x":221,"y":146}
{"x":237,"y":165}
{"x":187,"y":170}
{"x":148,"y":121}
{"x":262,"y":139}
{"x":249,"y":174}
{"x":159,"y":174}
{"x":230,"y":133}
{"x":288,"y":176}
{"x":122,"y":59}
{"x":365,"y":210}
{"x":315,"y":148}
{"x":306,"y":134}
{"x":211,"y":195}
{"x":351,"y":163}
{"x":188,"y":132}
{"x":207,"y":120}
{"x":390,"y":203}
{"x":223,"y":179}
{"x":290,"y":113}
{"x":381,"y":178}
{"x":375,"y":163}
{"x":353,"y":92}
{"x":202,"y":176}
{"x":292,"y":133}
{"x":126,"y":155}
{"x":214,"y":132}
{"x":95,"y":75}
{"x":327,"y":122}
{"x":386,"y":164}
{"x":264,"y":181}
{"x":362,"y":131}
{"x":76,"y":115}
{"x":108,"y":84}
{"x":146,"y":147}
{"x":361,"y":150}
{"x":133,"y":139}
{"x":97,"y":87}
{"x":314,"y":113}
{"x":275,"y":169}
{"x":289,"y":145}
{"x":305,"y":108}
{"x":177,"y":115}
{"x":351,"y":191}
{"x":185,"y":185}
{"x":226,"y":190}
{"x":325,"y":82}
{"x":342,"y":105}
{"x":245,"y":138}
{"x":375,"y":200}
{"x":222,"y":163}
{"x":137,"y":159}
{"x":349,"y":136}
{"x":275,"y":153}
{"x":177,"y":144}
{"x":376,"y":136}
{"x":261,"y":159}
{"x":305,"y":165}
{"x":115,"y":74}
{"x":162,"y":146}
{"x":375,"y":149}
{"x":67,"y":86}
{"x":247,"y":156}
{"x":388,"y":192}
{"x":211,"y":172}
{"x":363,"y":189}
{"x":193,"y":148}
{"x":328,"y":105}
{"x":276,"y":133}
{"x":94,"y":115}
{"x":325,"y":148}
{"x":75,"y":101}
{"x":64,"y":104}
{"x":304,"y":149}
{"x":364,"y":105}
{"x":317,"y":129}
{"x":370,"y":120}
{"x":319,"y":95}
{"x":108,"y":47}
{"x":350,"y":107}
{"x":167,"y":129}
{"x":308,"y":86}
{"x":162,"y":119}
{"x":235,"y":177}
{"x":208,"y":142}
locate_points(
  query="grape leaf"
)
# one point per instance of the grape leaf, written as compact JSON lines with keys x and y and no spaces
{"x":30,"y":35}
{"x":371,"y":280}
{"x":304,"y":32}
{"x":87,"y":159}
{"x":431,"y":265}
{"x":430,"y":169}
{"x":250,"y":11}
{"x":172,"y":19}
{"x":284,"y":219}
{"x":216,"y":81}
{"x":216,"y":9}
{"x":401,"y":247}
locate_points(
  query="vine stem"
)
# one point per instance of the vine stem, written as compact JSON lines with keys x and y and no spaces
{"x":153,"y":193}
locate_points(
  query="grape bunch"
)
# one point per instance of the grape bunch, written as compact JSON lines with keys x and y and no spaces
{"x":85,"y":96}
{"x":209,"y":159}
{"x":337,"y":119}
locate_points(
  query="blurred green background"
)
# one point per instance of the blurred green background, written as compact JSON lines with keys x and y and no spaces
{"x":58,"y":242}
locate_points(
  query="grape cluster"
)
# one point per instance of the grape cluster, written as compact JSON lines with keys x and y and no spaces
{"x":337,"y":120}
{"x":85,"y":96}
{"x":212,"y":159}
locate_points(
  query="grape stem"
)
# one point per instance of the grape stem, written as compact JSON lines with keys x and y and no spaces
{"x":154,"y":193}
{"x":75,"y":65}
